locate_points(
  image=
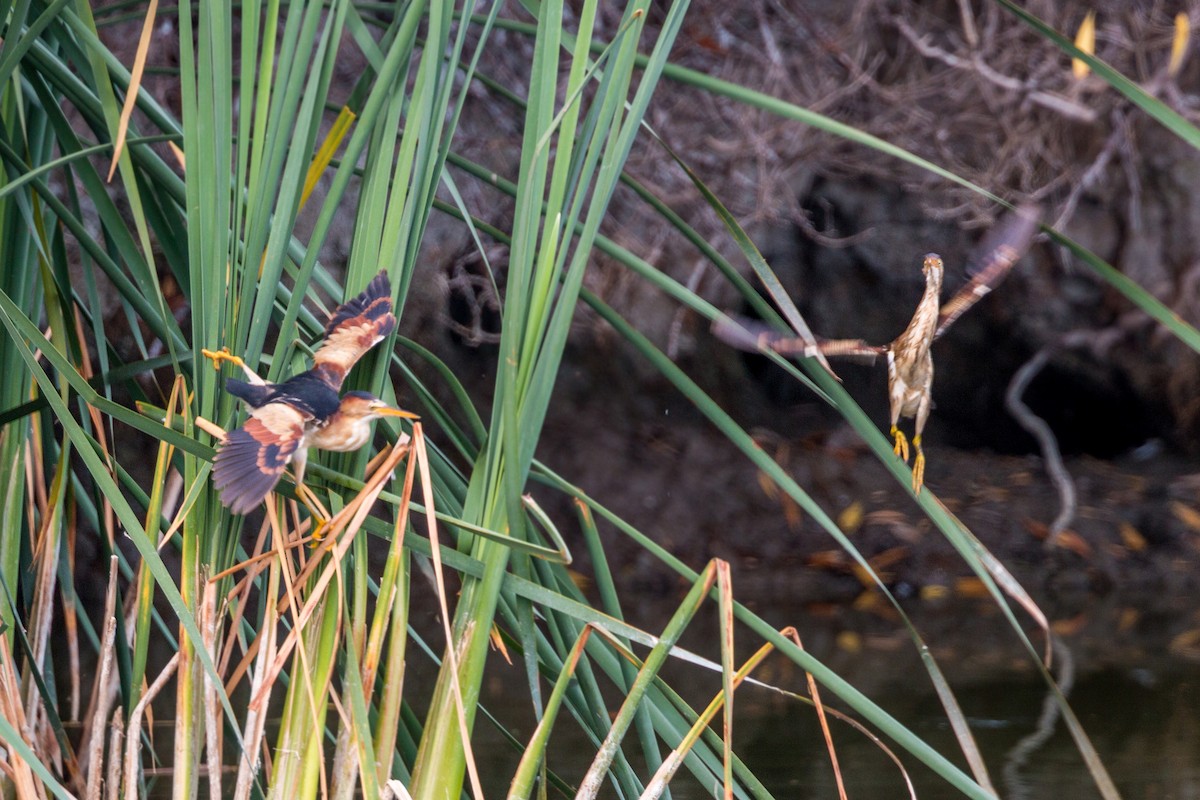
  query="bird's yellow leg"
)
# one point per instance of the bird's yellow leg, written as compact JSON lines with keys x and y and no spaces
{"x":901,"y":448}
{"x":918,"y":466}
{"x":315,"y":508}
{"x":223,"y":354}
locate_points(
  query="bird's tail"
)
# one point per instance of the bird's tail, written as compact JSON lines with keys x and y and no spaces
{"x":255,"y":395}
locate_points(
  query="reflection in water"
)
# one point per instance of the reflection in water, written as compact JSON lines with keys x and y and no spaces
{"x":1144,"y":722}
{"x":1146,"y":731}
{"x":1018,"y":787}
{"x":1139,"y":705}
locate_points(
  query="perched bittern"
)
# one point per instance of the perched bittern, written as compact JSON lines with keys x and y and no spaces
{"x":305,"y":410}
{"x":909,"y":360}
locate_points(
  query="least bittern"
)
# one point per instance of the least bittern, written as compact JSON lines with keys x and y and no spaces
{"x":909,"y":360}
{"x":305,"y":410}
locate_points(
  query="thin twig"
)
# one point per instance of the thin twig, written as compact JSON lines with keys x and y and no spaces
{"x":133,"y":745}
{"x":209,"y":614}
{"x":693,"y":285}
{"x":99,"y":720}
{"x":1054,"y":102}
{"x":112,"y":778}
{"x":1045,"y":437}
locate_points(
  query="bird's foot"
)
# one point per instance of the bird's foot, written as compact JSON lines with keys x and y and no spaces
{"x":318,"y":532}
{"x":918,"y":466}
{"x":320,"y":516}
{"x":901,"y":448}
{"x":223,"y":354}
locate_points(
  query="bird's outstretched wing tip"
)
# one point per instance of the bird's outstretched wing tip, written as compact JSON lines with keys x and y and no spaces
{"x":354,"y":328}
{"x":380,"y":285}
{"x":373,"y":303}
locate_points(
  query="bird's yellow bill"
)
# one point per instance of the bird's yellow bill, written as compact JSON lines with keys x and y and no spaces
{"x":388,"y":411}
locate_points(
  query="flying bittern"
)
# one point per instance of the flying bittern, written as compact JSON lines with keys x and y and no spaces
{"x":305,"y":410}
{"x":910,"y":363}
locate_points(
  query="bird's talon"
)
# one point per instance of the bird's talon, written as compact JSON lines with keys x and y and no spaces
{"x":223,"y":354}
{"x":901,"y":447}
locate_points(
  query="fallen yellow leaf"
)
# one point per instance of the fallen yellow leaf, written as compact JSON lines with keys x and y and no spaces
{"x":864,"y":575}
{"x":934,"y":591}
{"x":851,"y":517}
{"x":1085,"y":40}
{"x":1179,"y":45}
{"x":869,"y":600}
{"x":849,"y":641}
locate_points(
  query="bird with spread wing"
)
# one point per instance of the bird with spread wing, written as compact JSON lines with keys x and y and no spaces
{"x":306,"y":410}
{"x":909,"y":360}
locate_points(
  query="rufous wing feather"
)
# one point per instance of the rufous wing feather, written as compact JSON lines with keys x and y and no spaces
{"x":354,"y":328}
{"x":253,"y":457}
{"x":753,"y":336}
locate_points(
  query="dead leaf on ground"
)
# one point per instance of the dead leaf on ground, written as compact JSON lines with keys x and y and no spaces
{"x":1131,"y":537}
{"x":1186,"y":514}
{"x":934,"y":591}
{"x":1129,"y":617}
{"x":887,"y":558}
{"x":1186,"y":644}
{"x":1070,"y":540}
{"x":870,"y":600}
{"x":826,"y":559}
{"x":1021,"y":478}
{"x":1069,"y":626}
{"x":849,"y":641}
{"x":896,"y":523}
{"x":864,"y":576}
{"x":792,"y":514}
{"x":1040,"y":530}
{"x":971,"y":588}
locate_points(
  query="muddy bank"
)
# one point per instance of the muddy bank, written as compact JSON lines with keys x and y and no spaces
{"x":1134,"y":540}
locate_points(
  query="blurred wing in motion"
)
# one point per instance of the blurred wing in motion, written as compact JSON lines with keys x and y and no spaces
{"x":990,"y":263}
{"x":855,"y":349}
{"x":252,"y":458}
{"x":354,"y":328}
{"x":754,"y":336}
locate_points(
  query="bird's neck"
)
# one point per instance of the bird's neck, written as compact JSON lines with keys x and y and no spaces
{"x":924,"y":320}
{"x":933,"y":287}
{"x":339,"y":437}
